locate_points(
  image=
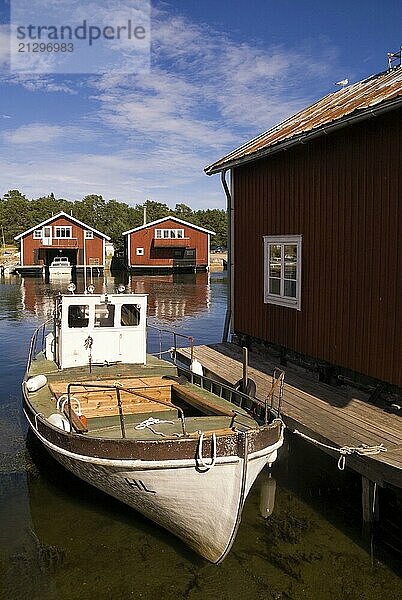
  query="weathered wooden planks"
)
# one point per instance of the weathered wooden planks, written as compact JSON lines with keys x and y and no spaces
{"x":335,"y":416}
{"x":147,"y":394}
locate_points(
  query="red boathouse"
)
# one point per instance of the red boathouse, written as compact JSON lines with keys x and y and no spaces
{"x":168,"y":244}
{"x":61,"y":236}
{"x":316,"y":225}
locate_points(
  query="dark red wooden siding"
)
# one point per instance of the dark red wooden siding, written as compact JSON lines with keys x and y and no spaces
{"x":343,"y":194}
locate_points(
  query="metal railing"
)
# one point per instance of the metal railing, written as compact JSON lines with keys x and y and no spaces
{"x":252,"y":405}
{"x":38,"y":335}
{"x":118,"y":388}
{"x":173,"y":349}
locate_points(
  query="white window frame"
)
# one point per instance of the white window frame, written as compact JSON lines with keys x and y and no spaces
{"x":68,"y":229}
{"x":281,"y":299}
{"x":140,"y":251}
{"x":37,"y":234}
{"x":88,"y":234}
{"x":169,"y":234}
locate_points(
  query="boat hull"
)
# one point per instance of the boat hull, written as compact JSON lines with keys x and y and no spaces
{"x":198,"y":503}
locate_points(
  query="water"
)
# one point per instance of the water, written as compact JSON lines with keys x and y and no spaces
{"x":62,"y":539}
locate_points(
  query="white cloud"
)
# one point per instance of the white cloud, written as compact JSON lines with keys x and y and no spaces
{"x":205,"y":95}
{"x":4,"y":46}
{"x":39,"y":133}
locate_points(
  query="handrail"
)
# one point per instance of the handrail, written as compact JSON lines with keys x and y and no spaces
{"x":259,"y":406}
{"x":175,"y":335}
{"x":34,"y":341}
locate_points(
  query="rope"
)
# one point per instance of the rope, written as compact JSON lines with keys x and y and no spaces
{"x":147,"y":424}
{"x":201,"y":461}
{"x":362,"y":450}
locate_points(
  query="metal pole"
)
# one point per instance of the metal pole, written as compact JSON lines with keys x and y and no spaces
{"x":121,"y":416}
{"x":245,"y":369}
{"x":85,"y":266}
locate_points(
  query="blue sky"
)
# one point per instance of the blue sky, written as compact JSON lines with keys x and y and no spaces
{"x":222,"y":72}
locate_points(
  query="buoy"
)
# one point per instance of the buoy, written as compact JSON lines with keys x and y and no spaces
{"x":267,"y":495}
{"x":59,"y":421}
{"x":36,"y":383}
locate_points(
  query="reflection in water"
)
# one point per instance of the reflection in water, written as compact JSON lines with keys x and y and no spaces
{"x":170,"y":297}
{"x":61,"y":539}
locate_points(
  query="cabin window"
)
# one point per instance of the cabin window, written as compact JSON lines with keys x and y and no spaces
{"x":104,"y":315}
{"x":130,"y":315}
{"x":61,"y":232}
{"x":282,"y":270}
{"x":78,"y":315}
{"x":88,"y":235}
{"x":37,"y":234}
{"x":140,"y":251}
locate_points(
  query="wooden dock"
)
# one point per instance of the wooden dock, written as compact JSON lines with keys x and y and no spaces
{"x":338,"y":417}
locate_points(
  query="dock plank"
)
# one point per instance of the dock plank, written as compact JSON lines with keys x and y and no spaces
{"x":335,"y":416}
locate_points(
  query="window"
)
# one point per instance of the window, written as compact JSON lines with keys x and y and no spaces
{"x":88,"y":235}
{"x":78,"y":315}
{"x":62,"y":232}
{"x":130,"y":315}
{"x":104,"y":315}
{"x":37,"y":234}
{"x":282,"y":270}
{"x":169,"y":234}
{"x":93,"y":262}
{"x":140,"y":251}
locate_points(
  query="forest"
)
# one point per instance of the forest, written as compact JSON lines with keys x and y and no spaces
{"x":18,"y":213}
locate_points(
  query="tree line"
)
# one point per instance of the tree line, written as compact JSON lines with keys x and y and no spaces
{"x":18,"y":213}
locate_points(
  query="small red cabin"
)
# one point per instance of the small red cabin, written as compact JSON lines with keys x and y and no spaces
{"x":62,"y":236}
{"x":168,"y":244}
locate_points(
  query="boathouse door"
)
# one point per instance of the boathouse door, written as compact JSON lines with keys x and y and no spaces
{"x":47,"y":236}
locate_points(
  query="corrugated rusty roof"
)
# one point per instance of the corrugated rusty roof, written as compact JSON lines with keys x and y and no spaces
{"x":360,"y":99}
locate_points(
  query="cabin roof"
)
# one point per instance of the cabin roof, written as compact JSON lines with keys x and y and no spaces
{"x":158,"y":221}
{"x":54,"y":217}
{"x":359,"y":101}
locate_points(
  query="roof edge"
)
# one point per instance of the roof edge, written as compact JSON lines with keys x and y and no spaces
{"x":359,"y":115}
{"x":168,"y":219}
{"x":61,"y":214}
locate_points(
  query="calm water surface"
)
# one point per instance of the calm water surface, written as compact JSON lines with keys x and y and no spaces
{"x":62,"y":539}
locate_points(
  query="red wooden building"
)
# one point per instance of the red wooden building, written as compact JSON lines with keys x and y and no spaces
{"x":316,"y":252}
{"x":62,"y":236}
{"x":168,"y":244}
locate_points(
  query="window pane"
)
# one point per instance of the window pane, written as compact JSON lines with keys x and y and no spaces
{"x":290,"y":289}
{"x":274,"y":260}
{"x":130,"y":315}
{"x":180,"y":233}
{"x":274,"y":286}
{"x":166,"y":233}
{"x":104,"y":315}
{"x":173,"y":233}
{"x":290,"y":270}
{"x":78,"y":316}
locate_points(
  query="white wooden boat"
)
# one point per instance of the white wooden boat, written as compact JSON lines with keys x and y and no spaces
{"x":60,"y":265}
{"x":133,"y":426}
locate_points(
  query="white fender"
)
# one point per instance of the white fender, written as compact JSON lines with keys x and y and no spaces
{"x":36,"y":383}
{"x":59,"y":421}
{"x":196,"y":367}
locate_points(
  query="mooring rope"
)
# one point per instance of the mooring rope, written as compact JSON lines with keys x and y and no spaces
{"x":362,"y":450}
{"x":147,"y":424}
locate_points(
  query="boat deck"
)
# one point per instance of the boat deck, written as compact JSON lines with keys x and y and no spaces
{"x":338,"y":417}
{"x":145,"y":391}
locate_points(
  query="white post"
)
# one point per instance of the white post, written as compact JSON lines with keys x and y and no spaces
{"x":85,"y":266}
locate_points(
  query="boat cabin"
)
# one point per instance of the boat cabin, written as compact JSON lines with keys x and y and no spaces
{"x":98,"y":329}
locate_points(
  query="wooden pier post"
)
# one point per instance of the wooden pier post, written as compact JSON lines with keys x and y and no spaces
{"x":369,"y":501}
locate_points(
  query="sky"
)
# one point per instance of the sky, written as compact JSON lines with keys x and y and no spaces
{"x":221,"y":72}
